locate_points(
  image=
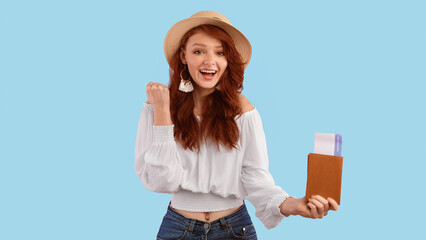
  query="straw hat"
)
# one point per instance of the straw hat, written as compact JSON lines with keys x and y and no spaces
{"x":176,"y":32}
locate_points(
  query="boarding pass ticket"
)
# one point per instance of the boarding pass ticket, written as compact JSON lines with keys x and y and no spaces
{"x":328,"y":144}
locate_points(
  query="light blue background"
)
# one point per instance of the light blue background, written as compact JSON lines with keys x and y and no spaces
{"x":73,"y":77}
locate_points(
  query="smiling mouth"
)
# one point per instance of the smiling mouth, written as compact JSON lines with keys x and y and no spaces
{"x":208,"y":73}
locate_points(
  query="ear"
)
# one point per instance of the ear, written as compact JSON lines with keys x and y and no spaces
{"x":182,"y":56}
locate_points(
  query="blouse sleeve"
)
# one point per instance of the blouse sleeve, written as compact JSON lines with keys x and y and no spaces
{"x":157,"y":162}
{"x":258,"y":182}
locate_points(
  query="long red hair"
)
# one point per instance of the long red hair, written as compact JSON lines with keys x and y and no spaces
{"x":220,"y":108}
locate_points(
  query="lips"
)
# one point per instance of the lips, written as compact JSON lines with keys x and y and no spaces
{"x":208,"y":74}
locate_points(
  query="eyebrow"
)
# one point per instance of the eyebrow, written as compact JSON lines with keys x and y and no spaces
{"x":202,"y":45}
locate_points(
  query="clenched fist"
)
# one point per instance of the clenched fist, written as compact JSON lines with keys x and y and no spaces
{"x":159,"y":97}
{"x":158,"y":94}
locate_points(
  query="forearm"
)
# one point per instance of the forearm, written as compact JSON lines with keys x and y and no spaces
{"x":162,"y":115}
{"x":157,"y":161}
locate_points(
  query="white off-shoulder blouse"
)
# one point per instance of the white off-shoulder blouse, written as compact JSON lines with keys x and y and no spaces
{"x":211,"y":179}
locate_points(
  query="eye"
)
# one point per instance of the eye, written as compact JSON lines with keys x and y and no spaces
{"x":221,"y":53}
{"x":198,"y":51}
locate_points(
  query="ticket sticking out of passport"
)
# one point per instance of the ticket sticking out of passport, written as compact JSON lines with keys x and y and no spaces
{"x":328,"y":144}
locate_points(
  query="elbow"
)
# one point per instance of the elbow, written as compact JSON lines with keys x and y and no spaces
{"x":160,"y":187}
{"x":160,"y":181}
{"x":159,"y":169}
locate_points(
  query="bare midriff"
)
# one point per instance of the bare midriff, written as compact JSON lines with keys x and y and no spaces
{"x":206,"y":216}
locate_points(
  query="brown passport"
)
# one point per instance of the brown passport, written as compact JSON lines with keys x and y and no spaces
{"x":324,"y":176}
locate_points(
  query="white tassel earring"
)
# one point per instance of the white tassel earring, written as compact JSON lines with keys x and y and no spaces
{"x":185,"y":85}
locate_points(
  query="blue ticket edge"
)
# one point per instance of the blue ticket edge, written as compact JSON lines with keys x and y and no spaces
{"x":338,"y":145}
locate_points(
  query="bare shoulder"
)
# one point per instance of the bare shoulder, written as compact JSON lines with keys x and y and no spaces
{"x":245,"y":104}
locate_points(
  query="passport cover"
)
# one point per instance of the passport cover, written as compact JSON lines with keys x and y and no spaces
{"x":324,"y":176}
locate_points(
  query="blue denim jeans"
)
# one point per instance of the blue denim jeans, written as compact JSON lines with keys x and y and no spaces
{"x":237,"y":225}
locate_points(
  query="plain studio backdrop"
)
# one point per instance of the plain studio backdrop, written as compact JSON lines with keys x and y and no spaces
{"x":73,"y":77}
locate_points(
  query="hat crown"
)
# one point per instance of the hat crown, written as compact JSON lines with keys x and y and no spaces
{"x":212,"y":14}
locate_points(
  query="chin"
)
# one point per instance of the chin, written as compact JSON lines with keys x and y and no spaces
{"x":206,"y":86}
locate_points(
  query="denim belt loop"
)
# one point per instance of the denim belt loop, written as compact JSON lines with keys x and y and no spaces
{"x":191,"y":225}
{"x":223,"y":223}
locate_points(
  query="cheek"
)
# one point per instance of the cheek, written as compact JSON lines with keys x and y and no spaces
{"x":193,"y":69}
{"x":193,"y":72}
{"x":223,"y":65}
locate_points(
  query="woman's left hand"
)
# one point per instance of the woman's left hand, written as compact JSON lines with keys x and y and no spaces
{"x":316,"y":207}
{"x":319,"y":206}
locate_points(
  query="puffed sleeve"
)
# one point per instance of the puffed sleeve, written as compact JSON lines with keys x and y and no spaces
{"x":262,"y":192}
{"x":157,"y":161}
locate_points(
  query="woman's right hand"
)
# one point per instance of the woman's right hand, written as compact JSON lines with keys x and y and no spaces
{"x":158,"y":95}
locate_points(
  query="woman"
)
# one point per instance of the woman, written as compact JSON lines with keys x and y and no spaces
{"x":202,"y":141}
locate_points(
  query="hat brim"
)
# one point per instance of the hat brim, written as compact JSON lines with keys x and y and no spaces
{"x":176,"y":32}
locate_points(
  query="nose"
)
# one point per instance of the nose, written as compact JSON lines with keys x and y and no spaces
{"x":209,"y":59}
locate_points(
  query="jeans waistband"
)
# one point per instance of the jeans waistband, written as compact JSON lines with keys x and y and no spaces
{"x":223,"y":222}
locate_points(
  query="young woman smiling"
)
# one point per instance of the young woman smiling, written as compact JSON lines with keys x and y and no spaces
{"x":201,"y":140}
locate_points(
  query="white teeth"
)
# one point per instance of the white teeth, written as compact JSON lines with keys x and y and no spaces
{"x":207,"y":71}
